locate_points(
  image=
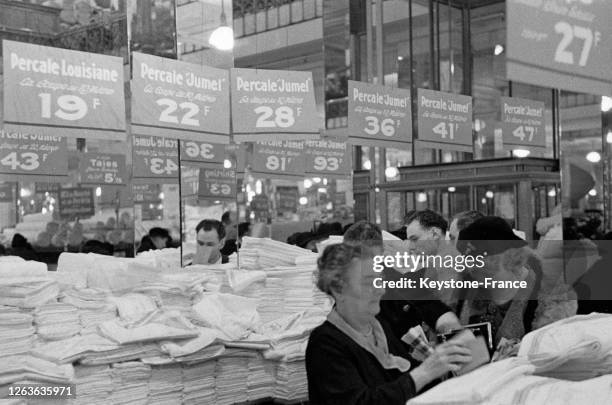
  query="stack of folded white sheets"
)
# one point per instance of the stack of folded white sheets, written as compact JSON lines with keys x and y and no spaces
{"x":261,"y":379}
{"x":94,"y":307}
{"x":25,"y":284}
{"x":231,"y":376}
{"x":130,"y":383}
{"x":57,"y":321}
{"x":199,"y":383}
{"x":94,"y":384}
{"x":17,"y":334}
{"x":33,"y":369}
{"x":271,"y":301}
{"x":291,"y":382}
{"x":262,"y":253}
{"x":166,"y":384}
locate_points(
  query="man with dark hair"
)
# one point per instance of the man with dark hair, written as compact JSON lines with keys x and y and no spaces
{"x":425,"y":232}
{"x":160,"y":237}
{"x":402,"y":309}
{"x":461,"y":221}
{"x":210,"y":235}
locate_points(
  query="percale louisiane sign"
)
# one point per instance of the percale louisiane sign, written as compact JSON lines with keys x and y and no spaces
{"x":560,"y":44}
{"x":66,"y":93}
{"x":179,"y":100}
{"x":273,"y":105}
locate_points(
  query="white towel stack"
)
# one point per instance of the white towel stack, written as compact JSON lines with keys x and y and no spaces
{"x":57,"y":321}
{"x":27,"y":294}
{"x":17,"y":334}
{"x":271,"y":301}
{"x":166,"y":384}
{"x":130,"y":383}
{"x":262,"y":253}
{"x":33,"y":369}
{"x":93,"y":306}
{"x":199,"y":383}
{"x":231,"y":376}
{"x":94,"y":384}
{"x":261,"y":379}
{"x":291,"y":382}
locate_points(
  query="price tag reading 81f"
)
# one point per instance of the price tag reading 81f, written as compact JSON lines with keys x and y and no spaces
{"x":279,"y":157}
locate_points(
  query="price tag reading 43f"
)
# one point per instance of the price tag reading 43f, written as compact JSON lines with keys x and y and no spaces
{"x":32,"y":154}
{"x":26,"y":161}
{"x":163,"y":166}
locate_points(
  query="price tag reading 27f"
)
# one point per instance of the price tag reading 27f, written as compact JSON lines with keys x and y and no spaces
{"x":179,"y":100}
{"x":70,"y":93}
{"x":273,"y":104}
{"x":560,"y":44}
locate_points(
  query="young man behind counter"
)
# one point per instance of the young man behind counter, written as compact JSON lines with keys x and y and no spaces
{"x":210,"y":236}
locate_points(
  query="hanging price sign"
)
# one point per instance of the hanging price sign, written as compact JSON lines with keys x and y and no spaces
{"x":523,"y":122}
{"x":22,"y":153}
{"x":327,"y":157}
{"x":287,"y":198}
{"x":180,"y":100}
{"x":273,"y":104}
{"x":217,"y":184}
{"x":560,"y":44}
{"x":379,"y":115}
{"x":279,"y":158}
{"x":445,"y":120}
{"x":146,"y":193}
{"x":76,"y":203}
{"x":68,"y":93}
{"x":155,"y":157}
{"x":103,"y":169}
{"x":202,"y":152}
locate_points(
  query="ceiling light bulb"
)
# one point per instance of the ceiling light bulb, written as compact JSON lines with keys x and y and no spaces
{"x":521,"y":153}
{"x":593,"y":157}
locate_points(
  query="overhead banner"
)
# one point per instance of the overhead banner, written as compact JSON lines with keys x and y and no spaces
{"x":523,"y":123}
{"x":103,"y":169}
{"x":327,"y":157}
{"x":76,"y":203}
{"x":273,"y":104}
{"x":379,"y":115}
{"x":561,"y":44}
{"x":279,"y":158}
{"x":445,"y":120}
{"x":202,"y":152}
{"x":218,"y":184}
{"x":23,"y":153}
{"x":6,"y":192}
{"x":179,"y":100}
{"x":63,"y":92}
{"x":155,"y":158}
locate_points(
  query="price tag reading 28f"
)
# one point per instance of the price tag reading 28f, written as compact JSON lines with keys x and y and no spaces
{"x":273,"y":104}
{"x":179,"y":100}
{"x":70,"y":93}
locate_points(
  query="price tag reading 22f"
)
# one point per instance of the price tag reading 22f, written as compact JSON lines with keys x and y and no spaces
{"x":70,"y":93}
{"x":179,"y":100}
{"x":273,"y":104}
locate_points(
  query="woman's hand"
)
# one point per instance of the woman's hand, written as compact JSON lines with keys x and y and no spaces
{"x":448,"y":356}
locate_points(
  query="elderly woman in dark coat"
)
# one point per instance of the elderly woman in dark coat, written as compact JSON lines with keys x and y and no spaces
{"x":354,"y":359}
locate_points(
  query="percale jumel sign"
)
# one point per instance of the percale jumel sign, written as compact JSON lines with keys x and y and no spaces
{"x":523,"y":122}
{"x":279,"y":158}
{"x":327,"y":157}
{"x":273,"y":104}
{"x":24,"y":153}
{"x":379,"y":115}
{"x":217,"y":184}
{"x":202,"y":152}
{"x":179,"y":100}
{"x":445,"y":120}
{"x":560,"y":44}
{"x":154,"y":157}
{"x":103,"y":169}
{"x":63,"y":92}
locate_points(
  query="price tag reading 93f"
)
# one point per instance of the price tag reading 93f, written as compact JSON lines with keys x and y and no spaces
{"x":331,"y":163}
